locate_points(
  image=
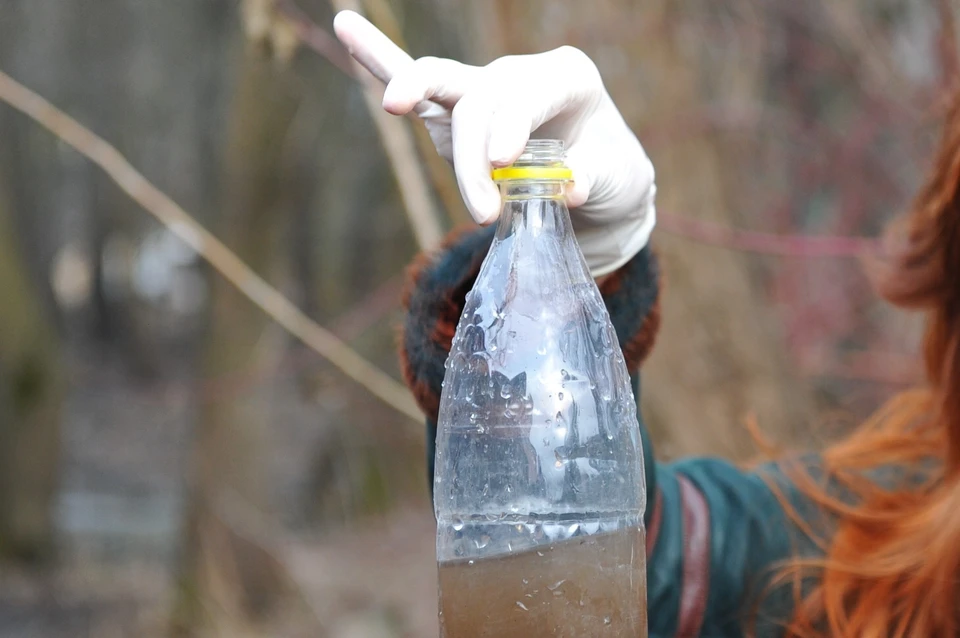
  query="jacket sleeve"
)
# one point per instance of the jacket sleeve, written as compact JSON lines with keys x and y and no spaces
{"x":721,"y":532}
{"x":712,"y":529}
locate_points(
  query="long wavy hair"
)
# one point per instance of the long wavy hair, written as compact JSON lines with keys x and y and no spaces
{"x":892,"y":563}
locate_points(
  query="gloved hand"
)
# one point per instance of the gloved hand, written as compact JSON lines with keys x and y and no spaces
{"x":482,"y":117}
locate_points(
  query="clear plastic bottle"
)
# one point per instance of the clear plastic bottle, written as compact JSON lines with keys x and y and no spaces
{"x":539,"y":483}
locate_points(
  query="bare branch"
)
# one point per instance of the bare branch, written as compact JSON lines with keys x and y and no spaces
{"x":765,"y":243}
{"x":181,"y":224}
{"x":441,"y":174}
{"x":313,"y":37}
{"x":398,"y":141}
{"x":321,"y":42}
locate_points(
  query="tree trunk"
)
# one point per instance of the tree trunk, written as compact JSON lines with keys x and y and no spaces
{"x":30,"y":400}
{"x":225,"y":572}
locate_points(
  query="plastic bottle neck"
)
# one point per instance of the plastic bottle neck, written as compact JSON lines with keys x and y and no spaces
{"x":534,"y":207}
{"x":531,"y":189}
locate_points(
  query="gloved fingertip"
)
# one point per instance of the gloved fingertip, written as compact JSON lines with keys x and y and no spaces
{"x":485,"y":215}
{"x":487,"y":220}
{"x":396,"y":100}
{"x":344,"y":22}
{"x":576,"y":194}
{"x":485,"y":208}
{"x":502,"y":153}
{"x":508,"y":137}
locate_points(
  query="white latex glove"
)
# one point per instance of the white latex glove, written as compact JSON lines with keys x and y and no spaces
{"x":482,"y":117}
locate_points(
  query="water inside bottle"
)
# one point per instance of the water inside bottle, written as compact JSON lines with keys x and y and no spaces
{"x":587,"y":584}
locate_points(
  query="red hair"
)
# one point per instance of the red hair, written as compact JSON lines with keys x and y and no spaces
{"x":892,"y":562}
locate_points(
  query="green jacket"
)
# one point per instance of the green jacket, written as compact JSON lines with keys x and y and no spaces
{"x":714,"y":531}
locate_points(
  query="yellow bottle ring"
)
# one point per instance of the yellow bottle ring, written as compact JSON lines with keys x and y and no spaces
{"x":560,"y":173}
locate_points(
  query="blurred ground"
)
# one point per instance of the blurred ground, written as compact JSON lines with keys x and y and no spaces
{"x":119,"y":515}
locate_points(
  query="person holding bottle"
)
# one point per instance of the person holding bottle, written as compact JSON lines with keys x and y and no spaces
{"x":859,"y":539}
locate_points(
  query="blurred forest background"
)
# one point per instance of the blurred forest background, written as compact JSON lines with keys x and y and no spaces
{"x":172,"y":462}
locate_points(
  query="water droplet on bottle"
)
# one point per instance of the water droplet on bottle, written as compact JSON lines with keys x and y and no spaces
{"x":509,"y":488}
{"x":542,"y":350}
{"x":557,"y":584}
{"x":526,"y":582}
{"x":471,"y":562}
{"x":522,"y":606}
{"x":506,"y":391}
{"x":457,"y":524}
{"x":483,"y":541}
{"x":540,"y":554}
{"x":560,"y":395}
{"x":606,"y":620}
{"x":546,"y":441}
{"x":481,"y":429}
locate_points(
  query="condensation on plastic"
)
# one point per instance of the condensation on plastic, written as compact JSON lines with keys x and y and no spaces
{"x":537,"y":437}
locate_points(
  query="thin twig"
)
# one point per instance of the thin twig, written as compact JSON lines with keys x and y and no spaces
{"x":765,"y":243}
{"x":181,"y":224}
{"x":321,"y":42}
{"x":401,"y":151}
{"x":313,"y":37}
{"x":368,"y":311}
{"x":383,"y":15}
{"x":397,"y":139}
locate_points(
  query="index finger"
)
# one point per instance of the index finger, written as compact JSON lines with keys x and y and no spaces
{"x":376,"y":52}
{"x":369,"y":46}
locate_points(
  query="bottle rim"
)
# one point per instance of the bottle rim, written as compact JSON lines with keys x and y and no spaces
{"x":542,"y":159}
